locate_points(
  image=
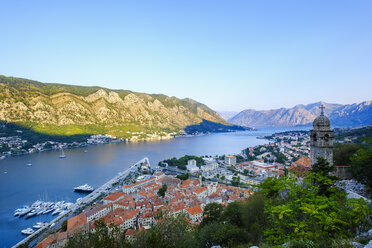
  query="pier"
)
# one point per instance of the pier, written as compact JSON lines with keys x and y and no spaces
{"x":103,"y":189}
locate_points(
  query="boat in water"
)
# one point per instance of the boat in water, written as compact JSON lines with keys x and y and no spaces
{"x":62,"y":154}
{"x":22,"y":211}
{"x":29,"y":164}
{"x":84,"y":188}
{"x":39,"y":225}
{"x":27,"y":231}
{"x":32,"y":213}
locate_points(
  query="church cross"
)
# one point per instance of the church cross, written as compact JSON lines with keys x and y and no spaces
{"x":322,"y":109}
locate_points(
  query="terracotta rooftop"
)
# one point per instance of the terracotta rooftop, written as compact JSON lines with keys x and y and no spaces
{"x":138,"y":183}
{"x":46,"y":242}
{"x":303,"y":161}
{"x":76,"y":222}
{"x":200,"y":190}
{"x":115,"y":196}
{"x":195,"y":210}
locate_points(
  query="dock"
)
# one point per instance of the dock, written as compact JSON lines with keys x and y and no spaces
{"x":103,"y":189}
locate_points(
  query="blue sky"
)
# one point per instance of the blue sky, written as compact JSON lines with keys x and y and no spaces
{"x":230,"y":55}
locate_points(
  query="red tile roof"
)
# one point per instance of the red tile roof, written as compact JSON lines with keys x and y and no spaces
{"x":195,"y":210}
{"x":115,"y":196}
{"x":76,"y":222}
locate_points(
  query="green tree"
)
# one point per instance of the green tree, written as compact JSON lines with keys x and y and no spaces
{"x":343,"y":152}
{"x":233,"y":214}
{"x":223,"y":178}
{"x":254,"y":218}
{"x":170,"y":232}
{"x":322,"y":166}
{"x":162,"y":190}
{"x":361,"y":166}
{"x":64,"y":226}
{"x":212,"y":213}
{"x":184,"y":176}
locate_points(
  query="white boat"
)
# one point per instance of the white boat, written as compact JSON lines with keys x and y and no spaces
{"x":22,"y":210}
{"x":57,"y":211}
{"x":29,"y":164}
{"x":63,"y":212}
{"x":39,"y":225}
{"x":48,"y":210}
{"x":62,"y":154}
{"x":84,"y":188}
{"x":32,"y":213}
{"x":2,"y":157}
{"x":25,"y":211}
{"x":27,"y":231}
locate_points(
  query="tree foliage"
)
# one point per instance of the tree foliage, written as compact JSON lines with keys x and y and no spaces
{"x":162,"y":190}
{"x":184,"y":176}
{"x":182,"y":161}
{"x":361,"y":165}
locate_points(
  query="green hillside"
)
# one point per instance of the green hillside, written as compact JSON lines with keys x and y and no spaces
{"x":61,"y":109}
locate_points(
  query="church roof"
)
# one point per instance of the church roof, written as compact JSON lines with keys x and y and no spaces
{"x":321,"y":122}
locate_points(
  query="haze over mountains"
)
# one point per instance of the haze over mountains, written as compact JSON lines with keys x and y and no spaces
{"x":357,"y":114}
{"x":68,"y":109}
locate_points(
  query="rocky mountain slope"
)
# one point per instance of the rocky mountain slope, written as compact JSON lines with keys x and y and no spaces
{"x":67,"y":109}
{"x":226,"y":115}
{"x":340,"y":115}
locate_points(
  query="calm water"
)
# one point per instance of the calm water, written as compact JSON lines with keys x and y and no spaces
{"x":51,"y":178}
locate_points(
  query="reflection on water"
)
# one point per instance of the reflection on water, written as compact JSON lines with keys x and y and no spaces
{"x":51,"y":178}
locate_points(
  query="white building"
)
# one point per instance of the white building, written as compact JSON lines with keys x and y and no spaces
{"x":230,"y":160}
{"x":192,"y":168}
{"x":210,"y":166}
{"x":191,"y":162}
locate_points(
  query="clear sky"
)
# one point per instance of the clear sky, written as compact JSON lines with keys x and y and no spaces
{"x":230,"y":55}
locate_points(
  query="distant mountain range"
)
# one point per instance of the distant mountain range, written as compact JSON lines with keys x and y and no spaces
{"x":357,"y":114}
{"x":60,"y":109}
{"x":226,"y":115}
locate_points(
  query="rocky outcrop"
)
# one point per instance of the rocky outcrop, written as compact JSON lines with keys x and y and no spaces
{"x":23,"y":100}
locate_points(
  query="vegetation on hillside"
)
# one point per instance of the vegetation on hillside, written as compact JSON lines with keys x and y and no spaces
{"x":58,"y":109}
{"x":208,"y":126}
{"x":357,"y":155}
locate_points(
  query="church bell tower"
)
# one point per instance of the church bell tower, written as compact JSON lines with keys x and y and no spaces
{"x":321,"y":139}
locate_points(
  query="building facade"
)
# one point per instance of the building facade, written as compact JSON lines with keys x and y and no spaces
{"x":322,"y":139}
{"x":230,"y":160}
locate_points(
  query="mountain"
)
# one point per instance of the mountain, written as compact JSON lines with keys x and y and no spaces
{"x":339,"y":115}
{"x":61,"y":109}
{"x":226,"y":115}
{"x":209,"y":126}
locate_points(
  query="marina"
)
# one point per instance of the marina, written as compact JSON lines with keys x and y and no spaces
{"x":40,"y":207}
{"x":64,"y":209}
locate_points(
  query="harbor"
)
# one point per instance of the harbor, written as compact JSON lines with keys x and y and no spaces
{"x":68,"y":209}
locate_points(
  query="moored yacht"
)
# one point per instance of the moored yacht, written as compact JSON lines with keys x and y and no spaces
{"x":39,"y":225}
{"x":27,"y":231}
{"x":84,"y":188}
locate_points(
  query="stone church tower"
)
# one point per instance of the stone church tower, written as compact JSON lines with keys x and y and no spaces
{"x":321,"y":139}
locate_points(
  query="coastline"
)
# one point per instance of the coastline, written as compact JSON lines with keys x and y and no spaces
{"x":72,"y":145}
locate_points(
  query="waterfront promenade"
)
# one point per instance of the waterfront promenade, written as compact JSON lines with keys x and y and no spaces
{"x":103,"y":189}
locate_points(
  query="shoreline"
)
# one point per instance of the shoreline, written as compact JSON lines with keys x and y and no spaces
{"x":85,"y":144}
